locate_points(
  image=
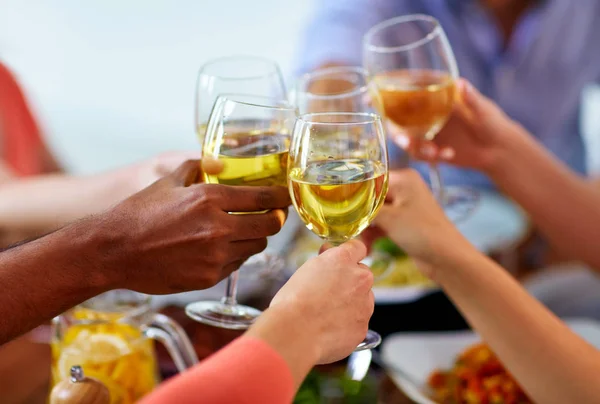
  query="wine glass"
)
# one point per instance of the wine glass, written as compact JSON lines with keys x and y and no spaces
{"x":341,"y":89}
{"x":251,"y":136}
{"x":412,"y":66}
{"x":333,"y":89}
{"x":338,"y":176}
{"x":251,"y":75}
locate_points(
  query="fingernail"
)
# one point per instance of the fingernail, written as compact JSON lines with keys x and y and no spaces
{"x":447,"y":153}
{"x":428,"y":151}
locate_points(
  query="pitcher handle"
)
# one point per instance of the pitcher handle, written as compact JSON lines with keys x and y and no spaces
{"x":166,"y":331}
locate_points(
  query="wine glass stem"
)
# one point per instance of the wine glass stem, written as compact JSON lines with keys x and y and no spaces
{"x":231,"y":292}
{"x":437,"y":185}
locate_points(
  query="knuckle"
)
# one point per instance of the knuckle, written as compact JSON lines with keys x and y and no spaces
{"x":207,"y":195}
{"x":344,"y":255}
{"x":261,"y":245}
{"x":366,"y":279}
{"x":265,"y":199}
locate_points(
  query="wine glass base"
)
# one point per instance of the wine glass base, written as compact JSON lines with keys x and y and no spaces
{"x":218,"y":314}
{"x":460,"y":202}
{"x":372,"y":340}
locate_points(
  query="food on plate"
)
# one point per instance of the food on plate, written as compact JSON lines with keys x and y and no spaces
{"x":477,"y":377}
{"x":403,"y":273}
{"x":385,"y":244}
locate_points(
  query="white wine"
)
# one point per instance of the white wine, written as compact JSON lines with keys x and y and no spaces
{"x":251,"y":158}
{"x":338,"y":199}
{"x":417,"y":101}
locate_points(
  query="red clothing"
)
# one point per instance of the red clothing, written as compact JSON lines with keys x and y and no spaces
{"x":247,"y":371}
{"x":21,"y":145}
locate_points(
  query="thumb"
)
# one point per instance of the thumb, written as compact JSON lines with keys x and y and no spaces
{"x":472,"y":98}
{"x":187,"y":173}
{"x":325,"y":247}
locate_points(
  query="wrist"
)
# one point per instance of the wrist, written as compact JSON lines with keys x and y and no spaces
{"x":292,"y":336}
{"x":444,"y":253}
{"x":505,"y":151}
{"x":92,"y":240}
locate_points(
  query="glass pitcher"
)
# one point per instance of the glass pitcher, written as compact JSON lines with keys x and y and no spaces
{"x":111,"y":338}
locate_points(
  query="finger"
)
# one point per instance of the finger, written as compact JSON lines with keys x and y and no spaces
{"x":354,"y":250}
{"x":186,"y":174}
{"x":472,"y":98}
{"x":370,"y":234}
{"x":257,"y":226}
{"x":168,"y":162}
{"x":244,"y":249}
{"x":230,"y":268}
{"x":211,"y":165}
{"x":250,"y":199}
{"x":325,"y":247}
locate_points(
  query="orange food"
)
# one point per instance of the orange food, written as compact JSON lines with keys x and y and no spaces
{"x":477,"y":377}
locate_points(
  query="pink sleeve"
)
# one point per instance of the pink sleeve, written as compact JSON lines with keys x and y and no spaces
{"x":246,"y":371}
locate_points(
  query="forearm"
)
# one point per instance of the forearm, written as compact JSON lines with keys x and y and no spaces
{"x":245,"y":371}
{"x":551,"y":363}
{"x":31,"y":207}
{"x":275,"y":326}
{"x":43,"y":278}
{"x":563,"y":206}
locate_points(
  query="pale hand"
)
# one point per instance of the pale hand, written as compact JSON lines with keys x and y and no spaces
{"x":331,"y":296}
{"x":413,"y":219}
{"x":473,"y":137}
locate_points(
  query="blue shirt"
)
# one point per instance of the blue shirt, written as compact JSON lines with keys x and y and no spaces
{"x":537,"y":78}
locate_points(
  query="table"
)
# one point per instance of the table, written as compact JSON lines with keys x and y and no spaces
{"x":25,"y":364}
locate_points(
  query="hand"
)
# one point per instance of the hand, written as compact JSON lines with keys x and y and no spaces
{"x":176,"y":235}
{"x":142,"y":174}
{"x":412,"y":218}
{"x":330,"y":296}
{"x":473,"y":137}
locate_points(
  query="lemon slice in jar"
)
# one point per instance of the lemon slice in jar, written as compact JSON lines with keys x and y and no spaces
{"x":91,"y":348}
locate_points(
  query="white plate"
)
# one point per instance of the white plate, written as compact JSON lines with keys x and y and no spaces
{"x":419,"y":354}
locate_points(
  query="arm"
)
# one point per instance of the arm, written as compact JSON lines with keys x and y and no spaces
{"x":171,"y":224}
{"x":318,"y":316}
{"x":563,"y":206}
{"x":45,"y":277}
{"x":264,"y":366}
{"x":33,"y":206}
{"x":550,"y":362}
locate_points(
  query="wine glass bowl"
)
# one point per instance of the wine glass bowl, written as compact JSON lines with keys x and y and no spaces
{"x":414,"y":72}
{"x":333,"y":89}
{"x":241,"y":74}
{"x":250,"y":135}
{"x":338,"y":176}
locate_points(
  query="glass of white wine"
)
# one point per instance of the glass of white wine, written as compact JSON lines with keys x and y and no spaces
{"x":338,"y":176}
{"x":251,"y":136}
{"x":411,"y":63}
{"x":342,"y":89}
{"x":251,"y":75}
